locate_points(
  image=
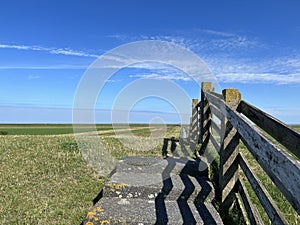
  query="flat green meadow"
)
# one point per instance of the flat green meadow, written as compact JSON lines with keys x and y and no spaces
{"x":44,"y":178}
{"x":44,"y":181}
{"x":44,"y":129}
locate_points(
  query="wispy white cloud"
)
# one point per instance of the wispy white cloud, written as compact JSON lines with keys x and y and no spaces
{"x":259,"y":78}
{"x":50,"y":67}
{"x":71,"y":52}
{"x":221,"y":50}
{"x":162,"y":76}
{"x":33,"y":77}
{"x":56,"y":51}
{"x":23,"y":47}
{"x":113,"y":80}
{"x":215,"y":32}
{"x":283,"y":111}
{"x":229,"y":44}
{"x":200,"y":40}
{"x":118,"y":36}
{"x":278,"y":70}
{"x":232,"y":57}
{"x":289,"y":115}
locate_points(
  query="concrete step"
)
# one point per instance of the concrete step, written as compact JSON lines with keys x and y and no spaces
{"x":163,"y":166}
{"x":156,"y":211}
{"x":148,"y":186}
{"x":156,"y":191}
{"x":142,"y":177}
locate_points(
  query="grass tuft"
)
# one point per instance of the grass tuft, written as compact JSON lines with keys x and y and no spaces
{"x":70,"y":146}
{"x":3,"y":132}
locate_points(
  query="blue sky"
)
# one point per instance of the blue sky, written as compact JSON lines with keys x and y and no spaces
{"x":46,"y":47}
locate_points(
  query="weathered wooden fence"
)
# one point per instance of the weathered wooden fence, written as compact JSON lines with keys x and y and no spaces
{"x":224,"y":120}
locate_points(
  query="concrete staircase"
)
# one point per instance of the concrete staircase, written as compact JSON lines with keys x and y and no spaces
{"x":145,"y":190}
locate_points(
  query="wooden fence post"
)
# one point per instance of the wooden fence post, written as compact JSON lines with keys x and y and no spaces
{"x":229,"y":152}
{"x":194,"y":126}
{"x":205,"y":116}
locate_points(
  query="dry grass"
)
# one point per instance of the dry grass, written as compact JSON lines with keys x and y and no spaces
{"x":45,"y":180}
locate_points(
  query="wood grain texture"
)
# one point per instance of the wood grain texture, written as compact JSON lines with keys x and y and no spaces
{"x":270,"y":207}
{"x":280,"y":167}
{"x":278,"y":130}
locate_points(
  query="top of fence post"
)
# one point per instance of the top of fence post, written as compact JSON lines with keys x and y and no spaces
{"x":232,"y":97}
{"x":195,"y":102}
{"x":206,"y":86}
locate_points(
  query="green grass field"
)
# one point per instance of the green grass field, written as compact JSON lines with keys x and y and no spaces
{"x":53,"y":129}
{"x":296,"y":127}
{"x":43,"y":181}
{"x":44,"y":178}
{"x":45,"y":129}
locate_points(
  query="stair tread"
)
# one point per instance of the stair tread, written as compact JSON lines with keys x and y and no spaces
{"x":148,"y":186}
{"x":156,"y":211}
{"x":145,"y":190}
{"x":158,"y":165}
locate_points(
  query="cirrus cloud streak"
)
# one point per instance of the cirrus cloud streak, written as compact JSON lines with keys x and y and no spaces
{"x":55,"y":51}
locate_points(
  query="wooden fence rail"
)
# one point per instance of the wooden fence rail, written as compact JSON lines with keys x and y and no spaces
{"x":226,"y":133}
